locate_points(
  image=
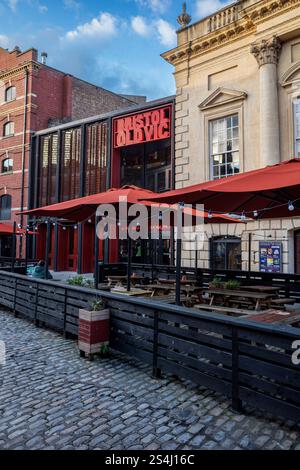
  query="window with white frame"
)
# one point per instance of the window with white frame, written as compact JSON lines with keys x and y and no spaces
{"x":10,"y":94}
{"x":8,"y":129}
{"x":224,"y":146}
{"x":296,"y":106}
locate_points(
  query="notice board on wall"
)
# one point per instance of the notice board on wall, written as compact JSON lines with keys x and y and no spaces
{"x":270,"y":257}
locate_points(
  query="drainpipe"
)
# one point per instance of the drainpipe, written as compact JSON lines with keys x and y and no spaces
{"x":24,"y":157}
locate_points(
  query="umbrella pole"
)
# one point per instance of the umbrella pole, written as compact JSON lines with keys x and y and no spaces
{"x":48,"y":237}
{"x":14,"y":248}
{"x":96,"y":253}
{"x":26,"y":251}
{"x":129,"y":264}
{"x":178,"y":269}
{"x":152,"y":244}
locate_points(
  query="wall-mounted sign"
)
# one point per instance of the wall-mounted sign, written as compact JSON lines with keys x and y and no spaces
{"x":144,"y":127}
{"x":270,"y":257}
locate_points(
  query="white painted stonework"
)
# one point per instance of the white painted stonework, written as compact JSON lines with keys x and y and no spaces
{"x":244,"y":60}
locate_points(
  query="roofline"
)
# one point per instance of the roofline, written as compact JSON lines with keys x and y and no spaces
{"x":66,"y":74}
{"x":106,"y":116}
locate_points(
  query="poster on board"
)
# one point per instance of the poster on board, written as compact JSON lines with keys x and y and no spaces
{"x":270,"y":257}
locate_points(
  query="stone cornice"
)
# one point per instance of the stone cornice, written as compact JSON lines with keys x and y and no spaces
{"x":30,"y":65}
{"x":244,"y":25}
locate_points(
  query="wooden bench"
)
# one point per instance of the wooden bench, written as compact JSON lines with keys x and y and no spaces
{"x":226,"y":310}
{"x":279,"y":302}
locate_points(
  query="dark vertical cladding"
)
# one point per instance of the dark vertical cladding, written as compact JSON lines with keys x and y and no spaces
{"x":96,"y":158}
{"x":70,"y":164}
{"x":48,"y":169}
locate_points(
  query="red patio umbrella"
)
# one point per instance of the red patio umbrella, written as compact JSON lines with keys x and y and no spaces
{"x":272,"y":192}
{"x":82,"y":208}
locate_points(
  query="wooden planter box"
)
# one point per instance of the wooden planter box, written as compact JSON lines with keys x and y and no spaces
{"x":93,"y":331}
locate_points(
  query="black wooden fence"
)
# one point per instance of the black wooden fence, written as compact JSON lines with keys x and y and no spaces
{"x":248,"y":362}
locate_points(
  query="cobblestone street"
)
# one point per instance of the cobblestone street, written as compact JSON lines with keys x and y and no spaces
{"x":52,"y":399}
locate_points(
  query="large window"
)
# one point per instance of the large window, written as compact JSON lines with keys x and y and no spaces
{"x":297,"y":127}
{"x":147,"y":165}
{"x":7,"y":165}
{"x":224,"y":147}
{"x":5,"y":207}
{"x":225,"y":253}
{"x":8,"y":129}
{"x":10,"y":93}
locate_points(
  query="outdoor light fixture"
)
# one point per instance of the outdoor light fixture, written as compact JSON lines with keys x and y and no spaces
{"x":75,"y":227}
{"x":90,"y":221}
{"x":210,"y":215}
{"x":243,"y":216}
{"x":291,"y":206}
{"x":255,"y":214}
{"x":64,"y":228}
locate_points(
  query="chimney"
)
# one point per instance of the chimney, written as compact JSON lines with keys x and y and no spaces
{"x":44,"y":58}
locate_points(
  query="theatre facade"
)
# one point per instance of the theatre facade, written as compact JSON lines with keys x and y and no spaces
{"x":132,"y":147}
{"x":237,"y":76}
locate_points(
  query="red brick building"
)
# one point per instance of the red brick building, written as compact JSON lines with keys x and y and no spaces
{"x":34,"y":96}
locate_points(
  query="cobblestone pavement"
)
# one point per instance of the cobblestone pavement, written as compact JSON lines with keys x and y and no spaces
{"x":52,"y":399}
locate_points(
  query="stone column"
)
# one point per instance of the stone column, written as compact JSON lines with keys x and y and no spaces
{"x":267,"y":53}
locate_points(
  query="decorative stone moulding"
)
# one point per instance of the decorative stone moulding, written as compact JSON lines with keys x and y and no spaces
{"x":267,"y":51}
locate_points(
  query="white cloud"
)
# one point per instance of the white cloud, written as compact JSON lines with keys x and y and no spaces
{"x":140,"y":26}
{"x":207,"y":7}
{"x":158,"y":6}
{"x":166,"y":33}
{"x":13,"y":4}
{"x":4,"y":41}
{"x":102,"y":27}
{"x":72,"y":5}
{"x":42,"y":8}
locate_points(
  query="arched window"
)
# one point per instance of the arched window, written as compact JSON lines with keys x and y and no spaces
{"x":7,"y":165}
{"x":9,"y":129}
{"x":10,"y":93}
{"x":5,"y":207}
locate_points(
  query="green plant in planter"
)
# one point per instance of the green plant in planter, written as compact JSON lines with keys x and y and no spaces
{"x":98,"y":305}
{"x":232,"y":284}
{"x":217,"y":283}
{"x":76,"y":281}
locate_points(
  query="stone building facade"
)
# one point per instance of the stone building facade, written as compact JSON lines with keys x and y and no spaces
{"x":34,"y":96}
{"x":237,"y":76}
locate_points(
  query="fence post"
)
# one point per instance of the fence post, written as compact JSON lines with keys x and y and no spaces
{"x":36,"y":322}
{"x":236,"y":402}
{"x":15,"y":298}
{"x":65,"y":314}
{"x":156,"y":370}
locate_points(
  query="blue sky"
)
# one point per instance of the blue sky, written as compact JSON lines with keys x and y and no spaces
{"x":113,"y":43}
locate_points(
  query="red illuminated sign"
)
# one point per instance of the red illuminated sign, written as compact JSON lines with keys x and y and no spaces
{"x":148,"y":126}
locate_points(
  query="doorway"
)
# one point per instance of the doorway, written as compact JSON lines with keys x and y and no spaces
{"x":226,"y":253}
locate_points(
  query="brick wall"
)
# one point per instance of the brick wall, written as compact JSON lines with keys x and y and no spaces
{"x":89,"y":100}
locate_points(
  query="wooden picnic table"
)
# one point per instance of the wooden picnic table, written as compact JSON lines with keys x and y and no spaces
{"x":134,"y":292}
{"x":123,"y":279}
{"x":260,"y":288}
{"x":276,"y":317}
{"x":183,"y":282}
{"x":158,"y":289}
{"x":257,"y":299}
